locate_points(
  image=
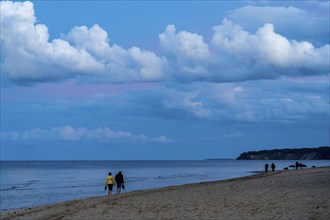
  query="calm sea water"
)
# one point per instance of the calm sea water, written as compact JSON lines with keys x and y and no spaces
{"x":31,"y":183}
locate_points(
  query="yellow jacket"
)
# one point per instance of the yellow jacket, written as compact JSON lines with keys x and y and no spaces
{"x":110,"y":180}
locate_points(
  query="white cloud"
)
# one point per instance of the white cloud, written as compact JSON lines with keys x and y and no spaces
{"x":238,"y":55}
{"x":94,"y":40}
{"x":121,"y":65}
{"x":232,"y":135}
{"x":69,"y":133}
{"x":184,"y":45}
{"x":263,"y":101}
{"x":186,"y":102}
{"x":150,"y":66}
{"x":27,"y":54}
{"x":285,"y":99}
{"x":86,"y":53}
{"x":188,"y":52}
{"x":238,"y":89}
{"x":83,"y":52}
{"x":290,"y":21}
{"x":267,"y":48}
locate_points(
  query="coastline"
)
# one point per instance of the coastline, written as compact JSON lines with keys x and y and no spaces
{"x":294,"y":194}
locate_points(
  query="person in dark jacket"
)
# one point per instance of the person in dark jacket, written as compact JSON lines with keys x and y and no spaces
{"x":119,"y":181}
{"x":266,"y":167}
{"x":273,"y":167}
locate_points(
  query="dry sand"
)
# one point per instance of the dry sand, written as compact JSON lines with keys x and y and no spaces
{"x":295,"y":194}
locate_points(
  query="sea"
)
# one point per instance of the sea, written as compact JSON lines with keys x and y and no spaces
{"x":26,"y":184}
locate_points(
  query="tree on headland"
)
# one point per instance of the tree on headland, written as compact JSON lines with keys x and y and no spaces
{"x":320,"y":153}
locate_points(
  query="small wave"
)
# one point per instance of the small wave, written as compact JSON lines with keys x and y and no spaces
{"x":10,"y":188}
{"x":33,"y":181}
{"x":136,"y":179}
{"x":16,"y":188}
{"x":188,"y":175}
{"x":30,"y":182}
{"x":24,"y":189}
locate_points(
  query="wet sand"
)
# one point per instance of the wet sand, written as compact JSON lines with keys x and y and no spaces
{"x":294,"y":194}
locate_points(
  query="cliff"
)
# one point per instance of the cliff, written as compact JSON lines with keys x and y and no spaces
{"x":321,"y":153}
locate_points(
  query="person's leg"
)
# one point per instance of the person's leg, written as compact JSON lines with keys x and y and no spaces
{"x":118,"y":185}
{"x":119,"y":188}
{"x":110,"y":189}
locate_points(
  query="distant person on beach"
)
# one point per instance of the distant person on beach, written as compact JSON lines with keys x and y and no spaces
{"x":297,"y":165}
{"x":273,"y":167}
{"x":109,"y":182}
{"x":266,"y":167}
{"x":119,"y":181}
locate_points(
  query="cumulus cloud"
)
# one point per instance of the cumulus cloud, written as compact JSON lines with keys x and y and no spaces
{"x":290,"y":21}
{"x":234,"y":53}
{"x":69,"y":133}
{"x":29,"y":56}
{"x":184,"y":45}
{"x":266,"y":48}
{"x":120,"y":65}
{"x":187,"y":52}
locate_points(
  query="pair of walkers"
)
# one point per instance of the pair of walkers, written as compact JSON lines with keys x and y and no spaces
{"x":272,"y":166}
{"x":110,"y":182}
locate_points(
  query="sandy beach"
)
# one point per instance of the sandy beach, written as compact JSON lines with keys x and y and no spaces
{"x":294,"y":194}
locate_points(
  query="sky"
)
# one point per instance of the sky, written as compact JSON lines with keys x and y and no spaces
{"x":162,"y":80}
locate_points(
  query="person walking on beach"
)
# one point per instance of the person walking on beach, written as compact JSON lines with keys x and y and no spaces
{"x":119,"y":181}
{"x":297,"y":165}
{"x":273,"y":167}
{"x":109,"y":182}
{"x":266,"y":167}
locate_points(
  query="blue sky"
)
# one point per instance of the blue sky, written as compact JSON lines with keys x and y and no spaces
{"x":115,"y":80}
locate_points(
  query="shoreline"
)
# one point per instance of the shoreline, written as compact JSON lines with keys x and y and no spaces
{"x":297,"y":194}
{"x":252,"y":173}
